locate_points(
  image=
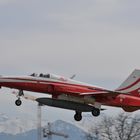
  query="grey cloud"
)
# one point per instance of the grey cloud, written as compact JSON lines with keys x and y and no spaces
{"x":34,"y":13}
{"x":125,"y":13}
{"x":25,"y":17}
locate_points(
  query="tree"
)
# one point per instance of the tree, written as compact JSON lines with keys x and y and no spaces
{"x":121,"y":127}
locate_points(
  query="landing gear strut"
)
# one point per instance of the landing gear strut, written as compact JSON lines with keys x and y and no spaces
{"x":96,"y":112}
{"x":18,"y":102}
{"x":78,"y":116}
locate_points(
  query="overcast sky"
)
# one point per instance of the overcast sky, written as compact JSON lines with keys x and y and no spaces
{"x":96,"y":39}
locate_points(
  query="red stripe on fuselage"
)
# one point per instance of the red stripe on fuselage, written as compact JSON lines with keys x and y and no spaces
{"x":51,"y":82}
{"x":41,"y":86}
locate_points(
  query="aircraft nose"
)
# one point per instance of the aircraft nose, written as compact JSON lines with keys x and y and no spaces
{"x":0,"y":81}
{"x":1,"y":78}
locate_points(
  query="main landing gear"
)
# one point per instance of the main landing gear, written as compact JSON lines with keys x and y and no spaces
{"x":78,"y":115}
{"x":96,"y":112}
{"x":18,"y":102}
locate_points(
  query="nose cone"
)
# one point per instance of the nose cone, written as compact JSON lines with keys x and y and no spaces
{"x":0,"y":80}
{"x":3,"y":79}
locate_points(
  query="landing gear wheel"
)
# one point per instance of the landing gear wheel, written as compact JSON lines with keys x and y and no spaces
{"x":78,"y":116}
{"x":18,"y":102}
{"x":96,"y":112}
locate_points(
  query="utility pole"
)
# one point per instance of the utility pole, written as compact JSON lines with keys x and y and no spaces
{"x":45,"y":132}
{"x":39,"y":125}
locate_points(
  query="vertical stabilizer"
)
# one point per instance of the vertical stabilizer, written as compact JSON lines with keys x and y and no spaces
{"x":131,"y":84}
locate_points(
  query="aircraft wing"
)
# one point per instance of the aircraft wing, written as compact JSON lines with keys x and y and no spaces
{"x":106,"y":93}
{"x":96,"y":93}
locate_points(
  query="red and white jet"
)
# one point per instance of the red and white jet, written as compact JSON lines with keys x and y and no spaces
{"x":80,"y":97}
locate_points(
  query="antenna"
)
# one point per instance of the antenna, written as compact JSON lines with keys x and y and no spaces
{"x":73,"y":76}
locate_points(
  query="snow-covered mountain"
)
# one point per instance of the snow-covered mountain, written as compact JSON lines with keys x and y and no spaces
{"x":25,"y":129}
{"x":15,"y":126}
{"x":69,"y":129}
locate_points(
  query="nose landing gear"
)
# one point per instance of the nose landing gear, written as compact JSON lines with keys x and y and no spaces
{"x":18,"y":102}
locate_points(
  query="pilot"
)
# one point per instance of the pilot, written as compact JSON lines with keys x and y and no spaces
{"x":33,"y":74}
{"x":47,"y":75}
{"x":41,"y":75}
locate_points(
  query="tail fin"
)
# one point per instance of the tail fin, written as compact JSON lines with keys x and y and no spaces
{"x":131,"y":84}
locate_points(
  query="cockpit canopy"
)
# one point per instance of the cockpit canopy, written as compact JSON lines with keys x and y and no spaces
{"x":41,"y":75}
{"x":51,"y":76}
{"x":44,"y":75}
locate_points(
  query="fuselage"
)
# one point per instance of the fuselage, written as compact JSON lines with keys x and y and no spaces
{"x":57,"y":86}
{"x":42,"y":84}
